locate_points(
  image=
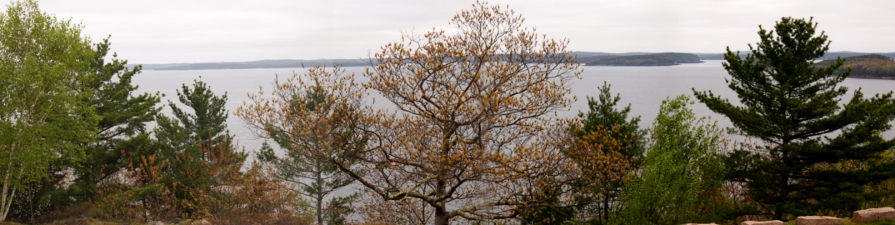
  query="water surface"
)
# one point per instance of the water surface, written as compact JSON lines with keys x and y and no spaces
{"x":643,"y":88}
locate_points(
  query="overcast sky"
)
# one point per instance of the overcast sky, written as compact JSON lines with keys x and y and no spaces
{"x":174,"y":31}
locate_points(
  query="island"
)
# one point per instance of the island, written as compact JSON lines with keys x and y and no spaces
{"x":872,"y":66}
{"x":655,"y":59}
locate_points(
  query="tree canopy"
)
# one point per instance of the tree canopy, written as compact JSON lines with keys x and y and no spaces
{"x":794,"y":109}
{"x":306,"y":118}
{"x":44,"y":61}
{"x":466,"y":138}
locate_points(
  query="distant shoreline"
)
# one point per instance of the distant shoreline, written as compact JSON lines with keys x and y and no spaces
{"x":872,"y":78}
{"x":297,"y":63}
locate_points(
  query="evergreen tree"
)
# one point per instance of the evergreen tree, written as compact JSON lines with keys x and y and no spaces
{"x":604,"y":114}
{"x":123,"y":118}
{"x":185,"y":131}
{"x":120,"y":133}
{"x":603,"y":131}
{"x":189,"y":142}
{"x":314,"y":173}
{"x":795,"y":110}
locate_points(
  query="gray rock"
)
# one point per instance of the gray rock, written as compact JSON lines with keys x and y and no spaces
{"x":818,"y":220}
{"x":873,"y":215}
{"x":772,"y":222}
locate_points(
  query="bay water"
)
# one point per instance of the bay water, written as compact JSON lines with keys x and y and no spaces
{"x":644,"y":88}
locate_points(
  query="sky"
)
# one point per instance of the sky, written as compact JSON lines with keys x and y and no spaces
{"x":189,"y":31}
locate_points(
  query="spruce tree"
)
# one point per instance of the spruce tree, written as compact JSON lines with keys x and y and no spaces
{"x":816,"y":154}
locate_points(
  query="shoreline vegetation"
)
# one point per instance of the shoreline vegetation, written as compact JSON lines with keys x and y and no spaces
{"x":656,"y":59}
{"x":873,"y":66}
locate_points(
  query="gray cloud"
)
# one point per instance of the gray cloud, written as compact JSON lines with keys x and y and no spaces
{"x":167,"y":31}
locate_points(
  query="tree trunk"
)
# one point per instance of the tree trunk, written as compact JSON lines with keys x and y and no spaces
{"x":319,"y":188}
{"x":605,"y":215}
{"x":441,"y":216}
{"x":6,"y":201}
{"x":319,"y":209}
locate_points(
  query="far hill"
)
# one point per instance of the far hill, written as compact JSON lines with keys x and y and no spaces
{"x":828,"y":55}
{"x":866,"y":66}
{"x":656,"y":59}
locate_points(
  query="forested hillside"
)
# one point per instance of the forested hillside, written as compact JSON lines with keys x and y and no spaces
{"x":657,"y":59}
{"x":866,"y":66}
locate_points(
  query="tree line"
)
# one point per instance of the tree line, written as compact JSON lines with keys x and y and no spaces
{"x":866,"y":66}
{"x":471,"y":137}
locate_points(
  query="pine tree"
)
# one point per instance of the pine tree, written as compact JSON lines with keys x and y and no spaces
{"x":207,"y":123}
{"x":604,"y":115}
{"x":120,"y":133}
{"x":123,"y":118}
{"x":307,"y":108}
{"x":189,"y":142}
{"x":795,"y":110}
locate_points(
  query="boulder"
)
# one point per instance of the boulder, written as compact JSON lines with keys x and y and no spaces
{"x":772,"y":222}
{"x":873,"y":215}
{"x":818,"y":220}
{"x":196,"y":222}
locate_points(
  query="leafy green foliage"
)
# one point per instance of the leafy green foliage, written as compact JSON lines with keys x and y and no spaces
{"x":43,"y":64}
{"x":681,"y":175}
{"x":794,"y":109}
{"x":121,"y":128}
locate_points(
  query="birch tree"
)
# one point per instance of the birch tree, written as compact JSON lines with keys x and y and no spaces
{"x":43,"y":62}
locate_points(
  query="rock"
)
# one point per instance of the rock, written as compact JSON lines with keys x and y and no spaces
{"x":197,"y":222}
{"x":873,"y":215}
{"x":772,"y":222}
{"x":818,"y":220}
